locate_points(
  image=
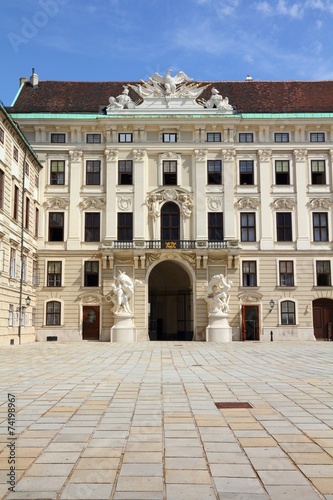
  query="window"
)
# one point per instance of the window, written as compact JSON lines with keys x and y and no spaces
{"x":53,"y":313}
{"x":35,"y":280}
{"x":15,"y":153}
{"x":58,"y":138}
{"x":93,"y":138}
{"x":248,"y":227}
{"x":214,"y":171}
{"x":245,"y":137}
{"x":36,"y":181}
{"x":27,"y":213}
{"x":170,"y":137}
{"x":54,"y":273}
{"x":249,"y":272}
{"x":36,"y":222}
{"x":288,"y":313}
{"x":92,"y":226}
{"x":213,"y":137}
{"x":215,"y":226}
{"x":317,"y":137}
{"x":281,"y":137}
{"x":125,"y":172}
{"x":323,"y":272}
{"x":24,"y":268}
{"x":282,"y":172}
{"x":170,"y":220}
{"x":56,"y":226}
{"x":286,"y":272}
{"x":57,"y":172}
{"x":11,"y":315}
{"x":125,"y":226}
{"x":283,"y":226}
{"x":26,"y":168}
{"x":169,"y":172}
{"x":12,"y":263}
{"x":91,"y":270}
{"x":318,"y":172}
{"x":2,"y":136}
{"x":23,"y":318}
{"x":320,"y":226}
{"x":246,"y":172}
{"x":93,"y":172}
{"x":16,"y":202}
{"x":2,"y":187}
{"x":125,"y":137}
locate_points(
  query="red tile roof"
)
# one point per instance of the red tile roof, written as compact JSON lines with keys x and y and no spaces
{"x":245,"y":96}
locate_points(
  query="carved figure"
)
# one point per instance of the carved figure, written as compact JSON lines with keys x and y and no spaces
{"x":170,"y":82}
{"x":217,"y":296}
{"x":122,"y":290}
{"x":217,"y":101}
{"x":154,"y":206}
{"x":123,"y":101}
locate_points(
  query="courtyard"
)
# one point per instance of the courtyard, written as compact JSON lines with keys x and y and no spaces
{"x":137,"y":421}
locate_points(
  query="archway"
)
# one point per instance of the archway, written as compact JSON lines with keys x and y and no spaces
{"x":323,"y":319}
{"x":170,"y":303}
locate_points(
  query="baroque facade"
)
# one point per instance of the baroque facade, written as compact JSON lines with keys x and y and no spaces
{"x":171,"y":182}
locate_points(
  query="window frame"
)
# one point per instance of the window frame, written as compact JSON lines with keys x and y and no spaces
{"x":246,"y":174}
{"x":214,"y":172}
{"x":125,"y":226}
{"x":2,"y":188}
{"x":57,"y":177}
{"x":317,"y":137}
{"x":91,"y":275}
{"x":320,"y":229}
{"x":328,"y":274}
{"x":248,"y":229}
{"x":56,"y":228}
{"x":318,"y":177}
{"x":247,"y":136}
{"x":56,"y":315}
{"x":169,"y":137}
{"x":286,"y":276}
{"x":170,"y":175}
{"x":283,"y":174}
{"x":15,"y":154}
{"x":96,"y":138}
{"x":214,"y":137}
{"x":282,"y":227}
{"x":125,"y":137}
{"x":281,"y":137}
{"x":215,"y":226}
{"x":58,"y":138}
{"x":2,"y":136}
{"x":289,"y":313}
{"x":125,"y":178}
{"x":16,"y":197}
{"x":56,"y":275}
{"x":94,"y":174}
{"x":27,"y":213}
{"x":250,"y":276}
{"x":92,"y":228}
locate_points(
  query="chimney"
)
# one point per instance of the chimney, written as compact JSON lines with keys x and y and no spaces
{"x":23,"y":79}
{"x":248,"y":78}
{"x":34,"y":79}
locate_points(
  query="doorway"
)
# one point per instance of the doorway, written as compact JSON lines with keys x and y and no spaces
{"x":170,"y":224}
{"x":170,"y":303}
{"x":250,"y":322}
{"x":323,"y":319}
{"x":90,"y":325}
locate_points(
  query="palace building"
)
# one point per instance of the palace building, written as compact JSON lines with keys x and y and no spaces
{"x":169,"y":182}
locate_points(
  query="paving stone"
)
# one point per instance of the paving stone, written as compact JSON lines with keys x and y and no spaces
{"x":139,"y":483}
{"x":190,"y":491}
{"x":87,"y":491}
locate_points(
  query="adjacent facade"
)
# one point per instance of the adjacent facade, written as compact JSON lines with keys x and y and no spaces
{"x":172,"y":182}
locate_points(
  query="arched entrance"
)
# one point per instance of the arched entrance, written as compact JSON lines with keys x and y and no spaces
{"x":323,"y":319}
{"x":170,"y":303}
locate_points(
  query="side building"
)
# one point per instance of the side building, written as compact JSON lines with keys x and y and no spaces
{"x":173,"y":182}
{"x":19,"y":218}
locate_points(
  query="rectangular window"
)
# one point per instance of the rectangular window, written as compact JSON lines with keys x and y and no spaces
{"x":15,"y":153}
{"x":318,"y":172}
{"x":57,"y":172}
{"x":281,"y":137}
{"x":56,"y":226}
{"x":245,"y":137}
{"x":12,"y":263}
{"x":2,"y":188}
{"x":36,"y":222}
{"x":54,"y":273}
{"x":58,"y":138}
{"x":91,"y":271}
{"x":2,"y":135}
{"x":214,"y":172}
{"x":125,"y":137}
{"x":93,"y":173}
{"x":170,"y":137}
{"x":26,"y":168}
{"x":323,"y":272}
{"x":215,"y":226}
{"x":248,"y":227}
{"x":249,"y":272}
{"x":53,"y":313}
{"x":282,"y":172}
{"x":320,"y":226}
{"x":213,"y":137}
{"x":93,"y":138}
{"x":11,"y":315}
{"x":92,"y":226}
{"x":286,"y":272}
{"x":246,"y":172}
{"x":283,"y":226}
{"x":125,"y":172}
{"x":16,"y":202}
{"x":27,"y":213}
{"x":317,"y":137}
{"x":169,"y":172}
{"x":288,"y":316}
{"x":125,"y":226}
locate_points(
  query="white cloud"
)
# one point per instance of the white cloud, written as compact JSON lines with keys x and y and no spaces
{"x":265,"y":8}
{"x":295,"y":10}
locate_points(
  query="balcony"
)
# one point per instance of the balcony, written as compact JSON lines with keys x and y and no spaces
{"x":169,"y":245}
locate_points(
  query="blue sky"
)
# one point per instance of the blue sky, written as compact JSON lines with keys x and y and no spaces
{"x":101,"y":40}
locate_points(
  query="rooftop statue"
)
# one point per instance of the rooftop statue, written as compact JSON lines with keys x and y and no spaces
{"x":123,"y":101}
{"x":217,"y":101}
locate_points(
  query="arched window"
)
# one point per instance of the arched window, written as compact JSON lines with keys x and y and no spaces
{"x":170,"y":222}
{"x":53,"y":313}
{"x":288,"y":316}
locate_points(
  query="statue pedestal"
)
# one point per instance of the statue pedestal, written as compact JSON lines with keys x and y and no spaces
{"x":123,"y":329}
{"x":218,"y":329}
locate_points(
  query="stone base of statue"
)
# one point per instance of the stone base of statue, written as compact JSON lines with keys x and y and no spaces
{"x":218,"y":329}
{"x":123,"y":329}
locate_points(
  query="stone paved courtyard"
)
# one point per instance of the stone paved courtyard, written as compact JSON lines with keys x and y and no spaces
{"x":139,"y":421}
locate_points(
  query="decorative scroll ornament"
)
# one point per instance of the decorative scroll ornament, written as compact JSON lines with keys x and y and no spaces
{"x":201,"y":154}
{"x":92,"y":203}
{"x":284,"y":204}
{"x":247,"y":204}
{"x":168,"y":86}
{"x":124,"y":204}
{"x":61,"y":203}
{"x":154,"y":201}
{"x":139,"y":154}
{"x":91,"y":299}
{"x":170,"y":244}
{"x":250,"y":297}
{"x":214,"y":203}
{"x":300,"y":154}
{"x":264,"y":154}
{"x":319,"y":204}
{"x":111,"y":154}
{"x":228,"y":154}
{"x":75,"y":155}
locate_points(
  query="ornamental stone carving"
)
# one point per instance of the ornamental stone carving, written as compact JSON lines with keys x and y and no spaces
{"x":122,"y":101}
{"x":124,"y":204}
{"x":228,"y":154}
{"x":250,"y":298}
{"x":300,"y":154}
{"x":284,"y":204}
{"x":139,"y":154}
{"x":91,"y":299}
{"x":154,"y":201}
{"x":264,"y":154}
{"x":319,"y":204}
{"x":214,"y":203}
{"x":170,"y":156}
{"x":92,"y":203}
{"x":218,"y":102}
{"x":169,"y":86}
{"x":75,"y":155}
{"x":218,"y":294}
{"x":111,"y":154}
{"x":201,"y":154}
{"x":60,"y":203}
{"x":247,"y":204}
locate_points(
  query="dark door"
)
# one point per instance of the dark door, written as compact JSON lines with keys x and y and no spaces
{"x":250,"y":322}
{"x":323,"y":319}
{"x":170,"y":223}
{"x":90,"y":327}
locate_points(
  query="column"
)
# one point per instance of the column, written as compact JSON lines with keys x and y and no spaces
{"x":301,"y":181}
{"x":228,"y":169}
{"x":111,"y":167}
{"x":264,"y":182}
